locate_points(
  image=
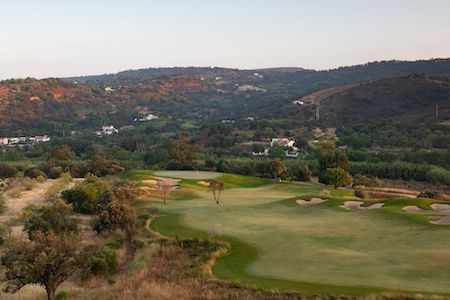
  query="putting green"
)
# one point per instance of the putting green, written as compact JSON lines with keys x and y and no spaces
{"x":317,"y":249}
{"x":189,"y":174}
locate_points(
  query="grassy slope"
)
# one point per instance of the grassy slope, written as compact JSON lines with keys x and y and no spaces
{"x":385,"y":248}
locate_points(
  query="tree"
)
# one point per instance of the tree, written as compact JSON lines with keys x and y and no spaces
{"x":327,"y":156}
{"x":60,"y":155}
{"x":300,"y":172}
{"x":115,"y":213}
{"x":48,"y":260}
{"x":85,"y":196}
{"x":100,"y":166}
{"x":183,"y":152}
{"x":337,"y":177}
{"x":277,"y":168}
{"x":342,"y":160}
{"x":277,"y":152}
{"x":216,"y":187}
{"x":57,"y":217}
{"x":258,"y":148}
{"x":157,"y":156}
{"x":51,"y":254}
{"x":164,"y":188}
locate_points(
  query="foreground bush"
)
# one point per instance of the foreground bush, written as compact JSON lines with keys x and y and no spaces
{"x":2,"y":203}
{"x":105,"y":261}
{"x":34,"y":173}
{"x":7,"y":171}
{"x":85,"y":196}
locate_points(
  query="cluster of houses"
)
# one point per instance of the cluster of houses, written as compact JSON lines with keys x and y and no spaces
{"x":287,"y":144}
{"x":22,"y":141}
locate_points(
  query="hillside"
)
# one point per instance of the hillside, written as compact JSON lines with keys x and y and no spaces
{"x":412,"y":98}
{"x":395,"y":112}
{"x":44,"y":106}
{"x":206,"y":94}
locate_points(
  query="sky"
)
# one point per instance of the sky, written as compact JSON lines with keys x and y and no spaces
{"x":56,"y":38}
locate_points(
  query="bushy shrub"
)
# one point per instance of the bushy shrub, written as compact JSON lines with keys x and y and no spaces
{"x":337,"y":177}
{"x":55,"y":172}
{"x":360,"y":193}
{"x":28,"y":183}
{"x":402,"y":170}
{"x":105,"y":261}
{"x":41,"y":179}
{"x":430,"y":194}
{"x":84,"y":197}
{"x":2,"y":203}
{"x":5,"y":232}
{"x":62,"y":295}
{"x":101,"y":166}
{"x":7,"y":171}
{"x":362,"y":180}
{"x":138,"y":244}
{"x":300,"y":172}
{"x":116,"y":244}
{"x":34,"y":173}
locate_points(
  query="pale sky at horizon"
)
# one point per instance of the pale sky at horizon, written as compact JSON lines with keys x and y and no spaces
{"x":69,"y":38}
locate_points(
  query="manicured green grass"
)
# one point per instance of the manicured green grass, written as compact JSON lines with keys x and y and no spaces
{"x":242,"y":255}
{"x":320,"y":249}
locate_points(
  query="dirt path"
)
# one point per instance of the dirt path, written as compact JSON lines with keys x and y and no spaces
{"x":15,"y":205}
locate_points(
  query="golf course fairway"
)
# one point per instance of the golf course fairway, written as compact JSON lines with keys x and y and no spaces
{"x":314,"y":249}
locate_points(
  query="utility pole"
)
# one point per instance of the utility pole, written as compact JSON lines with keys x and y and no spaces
{"x":437,"y":111}
{"x":317,"y":112}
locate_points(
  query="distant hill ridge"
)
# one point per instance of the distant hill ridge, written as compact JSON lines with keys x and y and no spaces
{"x":43,"y":106}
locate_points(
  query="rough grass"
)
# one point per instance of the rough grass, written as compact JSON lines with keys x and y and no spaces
{"x":320,"y":249}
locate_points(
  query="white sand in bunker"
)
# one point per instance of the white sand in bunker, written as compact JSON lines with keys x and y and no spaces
{"x":313,"y":201}
{"x":356,"y":205}
{"x":437,"y":210}
{"x":202,"y":182}
{"x":150,"y":181}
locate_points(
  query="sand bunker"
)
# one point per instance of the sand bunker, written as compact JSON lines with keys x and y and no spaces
{"x":356,"y":205}
{"x":150,"y":181}
{"x":313,"y":201}
{"x":439,"y":210}
{"x":202,"y":182}
{"x":173,"y":183}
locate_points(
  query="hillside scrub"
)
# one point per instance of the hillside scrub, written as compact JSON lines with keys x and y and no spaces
{"x":402,"y":170}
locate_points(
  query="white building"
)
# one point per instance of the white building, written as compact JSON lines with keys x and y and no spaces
{"x":148,"y":117}
{"x":265,"y":153}
{"x":14,"y":140}
{"x":107,"y":130}
{"x":3,"y":141}
{"x":284,"y":142}
{"x":41,"y":138}
{"x":227,"y":121}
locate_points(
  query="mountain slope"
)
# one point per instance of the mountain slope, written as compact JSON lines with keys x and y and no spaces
{"x":413,"y":98}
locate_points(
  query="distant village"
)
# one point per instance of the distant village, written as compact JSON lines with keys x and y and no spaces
{"x":22,"y":141}
{"x":106,"y":130}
